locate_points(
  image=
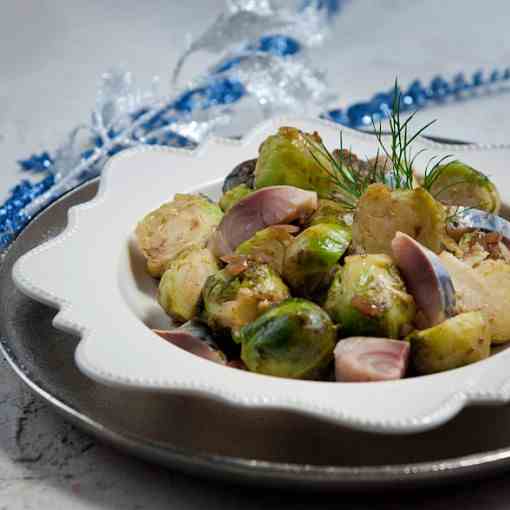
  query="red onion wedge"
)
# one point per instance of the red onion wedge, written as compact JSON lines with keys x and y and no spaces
{"x":427,"y":280}
{"x":365,"y":359}
{"x":273,"y":205}
{"x":194,"y":337}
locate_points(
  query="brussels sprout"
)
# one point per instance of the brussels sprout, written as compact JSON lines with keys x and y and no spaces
{"x":456,"y":342}
{"x":285,"y":158}
{"x":232,"y":196}
{"x":462,"y":185}
{"x":485,"y":288}
{"x":313,"y":254}
{"x":268,"y":246}
{"x":381,"y":213}
{"x":368,"y":298}
{"x":233,"y":300}
{"x":294,"y":339}
{"x":180,"y":287}
{"x":496,"y":276}
{"x":187,"y":221}
{"x":329,"y":211}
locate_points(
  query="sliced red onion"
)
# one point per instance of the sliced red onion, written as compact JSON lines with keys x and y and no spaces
{"x":194,"y":337}
{"x":365,"y":359}
{"x":273,"y":205}
{"x":483,"y":220}
{"x":243,"y":173}
{"x":427,"y":280}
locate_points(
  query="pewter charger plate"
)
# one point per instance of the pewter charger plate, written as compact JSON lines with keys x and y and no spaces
{"x":214,"y":439}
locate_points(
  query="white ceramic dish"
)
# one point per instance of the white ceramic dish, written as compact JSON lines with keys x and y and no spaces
{"x":94,"y":274}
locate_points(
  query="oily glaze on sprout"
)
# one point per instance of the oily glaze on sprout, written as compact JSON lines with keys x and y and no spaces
{"x":294,"y":339}
{"x":368,"y":298}
{"x":321,"y":264}
{"x":312,"y":256}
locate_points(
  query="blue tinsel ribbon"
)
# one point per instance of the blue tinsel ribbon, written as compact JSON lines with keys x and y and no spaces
{"x":221,"y":90}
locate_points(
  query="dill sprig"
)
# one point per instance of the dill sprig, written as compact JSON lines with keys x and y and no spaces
{"x":433,"y":170}
{"x":350,"y":186}
{"x":397,"y":157}
{"x":399,"y":152}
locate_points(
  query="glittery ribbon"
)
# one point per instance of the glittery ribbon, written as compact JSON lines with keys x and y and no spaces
{"x":272,"y":69}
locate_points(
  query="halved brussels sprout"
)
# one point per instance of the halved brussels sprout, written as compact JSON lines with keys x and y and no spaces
{"x":269,"y":246}
{"x":462,"y":185}
{"x":485,"y":288}
{"x":232,"y":196}
{"x":454,"y":343}
{"x":294,"y":339}
{"x":329,"y":211}
{"x":285,"y":158}
{"x":233,"y":300}
{"x":180,"y":287}
{"x":187,"y":221}
{"x":381,"y":213}
{"x":313,"y":254}
{"x":368,"y":298}
{"x":496,"y":275}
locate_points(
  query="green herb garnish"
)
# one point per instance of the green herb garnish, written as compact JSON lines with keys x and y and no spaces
{"x":351,"y":182}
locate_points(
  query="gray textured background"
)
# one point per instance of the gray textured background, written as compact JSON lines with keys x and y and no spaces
{"x":50,"y":58}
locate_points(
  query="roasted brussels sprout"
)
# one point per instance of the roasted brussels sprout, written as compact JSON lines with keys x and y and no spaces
{"x":233,"y":300}
{"x":458,"y":341}
{"x":329,"y":211}
{"x":275,"y":205}
{"x":462,"y":185}
{"x":496,"y":275}
{"x":368,"y":298}
{"x":269,"y":246}
{"x":485,"y":288}
{"x":232,"y":196}
{"x":187,"y":221}
{"x":286,"y":158}
{"x":180,"y":287}
{"x":313,"y":254}
{"x":294,"y":339}
{"x":381,"y":213}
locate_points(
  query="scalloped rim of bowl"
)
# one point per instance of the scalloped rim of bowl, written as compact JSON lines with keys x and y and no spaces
{"x":59,"y":271}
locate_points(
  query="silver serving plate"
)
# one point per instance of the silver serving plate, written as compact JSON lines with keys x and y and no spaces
{"x":271,"y":448}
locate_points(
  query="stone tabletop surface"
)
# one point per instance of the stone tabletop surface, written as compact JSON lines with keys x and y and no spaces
{"x":51,"y":56}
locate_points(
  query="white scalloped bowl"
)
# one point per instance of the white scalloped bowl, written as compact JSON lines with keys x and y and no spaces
{"x":95,"y":276}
